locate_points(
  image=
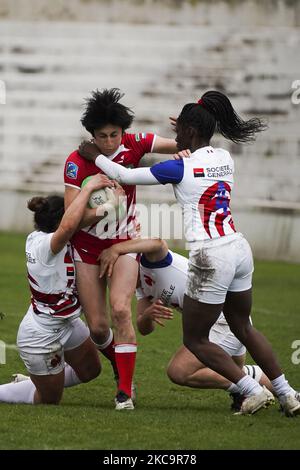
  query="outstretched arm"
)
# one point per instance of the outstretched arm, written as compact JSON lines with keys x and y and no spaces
{"x":155,"y":249}
{"x":125,"y":175}
{"x":170,"y":171}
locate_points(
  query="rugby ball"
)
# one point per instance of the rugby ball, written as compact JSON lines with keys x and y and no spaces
{"x":100,"y":196}
{"x":97,"y":197}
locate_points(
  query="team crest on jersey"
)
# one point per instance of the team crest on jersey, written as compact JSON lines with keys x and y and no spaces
{"x":72,"y":170}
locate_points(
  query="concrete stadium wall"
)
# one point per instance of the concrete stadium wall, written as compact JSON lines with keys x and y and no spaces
{"x":184,"y":12}
{"x":161,"y":57}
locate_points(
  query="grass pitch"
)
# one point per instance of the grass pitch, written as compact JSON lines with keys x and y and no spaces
{"x":167,"y":416}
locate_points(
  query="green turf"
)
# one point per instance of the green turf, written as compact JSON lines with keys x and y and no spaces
{"x":167,"y":416}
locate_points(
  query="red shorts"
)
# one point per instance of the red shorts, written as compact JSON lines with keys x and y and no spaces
{"x":87,"y":248}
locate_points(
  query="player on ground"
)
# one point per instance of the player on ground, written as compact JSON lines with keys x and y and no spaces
{"x":162,"y":281}
{"x":51,"y":331}
{"x":220,"y":262}
{"x":107,"y":120}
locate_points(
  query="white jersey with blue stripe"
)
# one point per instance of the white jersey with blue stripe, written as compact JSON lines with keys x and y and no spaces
{"x":202,"y":185}
{"x":165,"y":280}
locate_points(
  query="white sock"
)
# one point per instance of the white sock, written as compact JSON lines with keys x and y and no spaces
{"x":23,"y":392}
{"x":20,"y":392}
{"x":71,"y":378}
{"x":233,"y":389}
{"x":249,"y":386}
{"x":254,"y":371}
{"x":281,"y":386}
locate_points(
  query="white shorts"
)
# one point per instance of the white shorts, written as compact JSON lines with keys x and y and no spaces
{"x":42,"y":349}
{"x":221,"y":334}
{"x":216,"y":269}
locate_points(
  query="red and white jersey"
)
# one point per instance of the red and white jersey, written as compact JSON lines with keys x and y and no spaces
{"x":205,"y":192}
{"x":51,"y":279}
{"x":133,"y":147}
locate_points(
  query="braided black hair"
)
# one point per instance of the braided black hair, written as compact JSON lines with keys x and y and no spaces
{"x":103,"y":108}
{"x":48,"y":212}
{"x":214,"y":111}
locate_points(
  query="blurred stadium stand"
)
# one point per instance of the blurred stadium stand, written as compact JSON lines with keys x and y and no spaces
{"x":49,"y":67}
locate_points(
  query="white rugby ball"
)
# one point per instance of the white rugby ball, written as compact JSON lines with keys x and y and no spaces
{"x":100,"y":196}
{"x":97,"y":197}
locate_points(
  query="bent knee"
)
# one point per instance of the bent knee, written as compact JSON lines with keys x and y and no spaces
{"x":121,"y":310}
{"x":176,"y":376}
{"x":90,"y":373}
{"x":121,"y":316}
{"x":99,"y":332}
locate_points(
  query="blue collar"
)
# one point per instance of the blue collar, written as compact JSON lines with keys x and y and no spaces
{"x":163,"y":263}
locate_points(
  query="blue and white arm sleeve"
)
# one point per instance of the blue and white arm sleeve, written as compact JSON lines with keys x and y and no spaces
{"x":123,"y":175}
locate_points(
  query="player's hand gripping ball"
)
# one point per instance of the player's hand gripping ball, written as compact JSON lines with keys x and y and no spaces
{"x":109,"y":198}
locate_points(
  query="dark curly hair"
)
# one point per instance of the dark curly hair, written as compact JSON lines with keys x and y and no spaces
{"x":103,"y":108}
{"x":214,"y":112}
{"x":48,"y":212}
